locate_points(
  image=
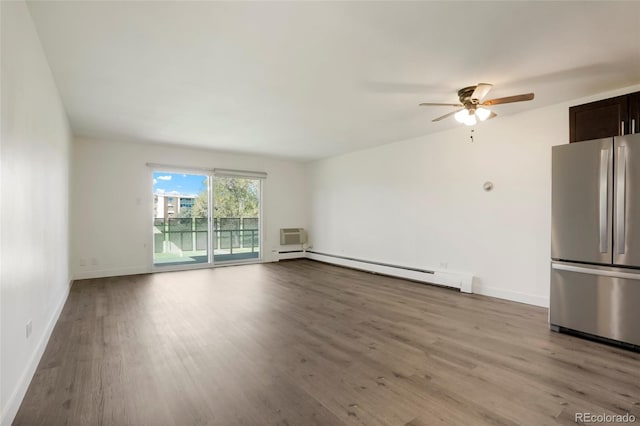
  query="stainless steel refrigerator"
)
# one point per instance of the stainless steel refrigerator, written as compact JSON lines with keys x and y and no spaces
{"x":595,"y":239}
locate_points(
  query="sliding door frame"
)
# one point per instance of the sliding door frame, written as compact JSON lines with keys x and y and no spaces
{"x":241,"y":174}
{"x":210,"y":174}
{"x":155,"y":168}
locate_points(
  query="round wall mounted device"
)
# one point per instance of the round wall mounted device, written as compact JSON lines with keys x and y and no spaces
{"x":487,"y":186}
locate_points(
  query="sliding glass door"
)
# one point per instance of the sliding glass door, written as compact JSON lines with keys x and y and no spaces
{"x":202,"y":219}
{"x":236,"y":219}
{"x":180,"y":219}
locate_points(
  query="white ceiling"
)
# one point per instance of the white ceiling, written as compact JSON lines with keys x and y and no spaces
{"x":313,"y":79}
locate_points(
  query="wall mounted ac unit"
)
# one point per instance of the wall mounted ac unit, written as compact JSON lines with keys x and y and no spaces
{"x":292,"y":236}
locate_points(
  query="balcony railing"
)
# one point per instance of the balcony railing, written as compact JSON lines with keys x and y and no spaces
{"x":178,"y":235}
{"x":239,"y":239}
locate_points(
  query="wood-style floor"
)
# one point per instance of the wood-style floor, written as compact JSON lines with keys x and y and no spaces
{"x":304,"y":343}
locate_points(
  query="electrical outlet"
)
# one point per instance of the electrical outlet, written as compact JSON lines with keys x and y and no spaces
{"x":444,"y":265}
{"x":28,"y":329}
{"x":83,"y":262}
{"x":94,"y":261}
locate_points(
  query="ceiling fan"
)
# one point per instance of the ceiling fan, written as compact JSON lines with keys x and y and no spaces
{"x":472,"y":106}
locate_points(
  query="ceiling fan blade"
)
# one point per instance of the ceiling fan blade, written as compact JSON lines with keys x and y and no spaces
{"x":446,"y":115}
{"x":481,"y":91}
{"x":508,"y":99}
{"x":439,"y":104}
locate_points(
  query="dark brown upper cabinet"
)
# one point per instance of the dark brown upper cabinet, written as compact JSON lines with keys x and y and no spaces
{"x":634,"y":112}
{"x":605,"y":118}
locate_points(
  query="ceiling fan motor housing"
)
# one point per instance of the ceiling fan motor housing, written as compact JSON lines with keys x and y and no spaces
{"x":465,"y":97}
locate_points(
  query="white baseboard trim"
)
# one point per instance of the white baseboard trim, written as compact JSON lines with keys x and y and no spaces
{"x":102,"y":273}
{"x":514,"y":296}
{"x":13,"y":403}
{"x":460,"y":280}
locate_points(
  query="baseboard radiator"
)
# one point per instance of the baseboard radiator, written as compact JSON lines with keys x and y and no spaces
{"x":291,"y":254}
{"x":459,"y":280}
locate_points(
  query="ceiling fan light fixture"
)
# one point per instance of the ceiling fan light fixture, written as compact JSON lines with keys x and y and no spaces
{"x":482,"y":113}
{"x":473,"y":103}
{"x":461,"y":116}
{"x":470,"y":120}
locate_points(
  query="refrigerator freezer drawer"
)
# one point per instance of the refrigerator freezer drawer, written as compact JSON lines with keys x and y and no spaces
{"x":597,"y":300}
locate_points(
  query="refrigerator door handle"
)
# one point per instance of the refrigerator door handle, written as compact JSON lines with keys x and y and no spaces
{"x":593,"y":271}
{"x":604,"y":200}
{"x":621,"y":181}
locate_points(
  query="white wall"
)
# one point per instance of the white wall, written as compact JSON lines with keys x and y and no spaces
{"x":34,"y":197}
{"x":420,"y":202}
{"x":113,"y":201}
